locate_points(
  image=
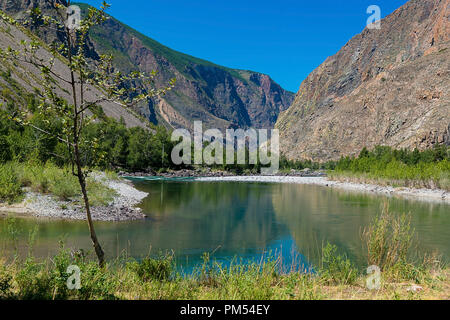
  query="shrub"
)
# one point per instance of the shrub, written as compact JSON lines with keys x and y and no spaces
{"x":39,"y":181}
{"x":10,"y":189}
{"x":388,"y":239}
{"x":63,"y":183}
{"x":429,"y":168}
{"x":5,"y":283}
{"x":337,"y":268}
{"x":111,"y":175}
{"x":159,"y":268}
{"x":34,"y":281}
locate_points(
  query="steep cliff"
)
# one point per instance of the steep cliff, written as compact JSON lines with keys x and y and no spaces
{"x":384,"y":87}
{"x":219,"y":96}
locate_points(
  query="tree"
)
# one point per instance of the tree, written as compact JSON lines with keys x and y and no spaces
{"x":80,"y":75}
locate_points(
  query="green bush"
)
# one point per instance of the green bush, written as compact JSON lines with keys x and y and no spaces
{"x":63,"y":183}
{"x":429,"y":168}
{"x":388,"y":239}
{"x":336,"y":268}
{"x":5,"y":283}
{"x":33,"y":175}
{"x":96,"y":283}
{"x":34,"y":281}
{"x":148,"y":269}
{"x":50,"y":179}
{"x":48,"y":280}
{"x":10,"y":189}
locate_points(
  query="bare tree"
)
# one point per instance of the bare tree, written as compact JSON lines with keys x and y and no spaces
{"x":81,"y":75}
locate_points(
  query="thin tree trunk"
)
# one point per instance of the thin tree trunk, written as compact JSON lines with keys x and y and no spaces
{"x":81,"y":179}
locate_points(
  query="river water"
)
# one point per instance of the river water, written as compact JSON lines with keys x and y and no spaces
{"x":241,"y":220}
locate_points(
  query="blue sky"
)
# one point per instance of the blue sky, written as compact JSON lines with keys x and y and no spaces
{"x":286,"y":39}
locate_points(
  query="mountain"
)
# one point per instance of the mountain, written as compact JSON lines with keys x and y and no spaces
{"x":384,"y":87}
{"x":19,"y":81}
{"x":221,"y":97}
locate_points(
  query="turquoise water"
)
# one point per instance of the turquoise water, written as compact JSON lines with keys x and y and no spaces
{"x":243,"y":220}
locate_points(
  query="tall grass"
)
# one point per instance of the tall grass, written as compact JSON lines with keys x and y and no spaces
{"x":49,"y":179}
{"x":390,"y":245}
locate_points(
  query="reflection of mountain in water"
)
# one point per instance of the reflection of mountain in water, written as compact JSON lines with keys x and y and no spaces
{"x":315,"y":215}
{"x":206,"y":216}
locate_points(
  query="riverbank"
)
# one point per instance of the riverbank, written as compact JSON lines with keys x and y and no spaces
{"x":208,"y":173}
{"x":120,"y":205}
{"x":420,"y":194}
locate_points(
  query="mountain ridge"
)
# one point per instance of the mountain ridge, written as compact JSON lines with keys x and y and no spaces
{"x":388,"y":86}
{"x":221,"y":97}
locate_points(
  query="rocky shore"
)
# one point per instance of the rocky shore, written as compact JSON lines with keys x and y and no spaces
{"x":122,"y":208}
{"x":208,"y":173}
{"x":433,"y":195}
{"x":306,"y":176}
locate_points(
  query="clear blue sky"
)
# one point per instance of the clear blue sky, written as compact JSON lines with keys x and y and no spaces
{"x":286,"y":39}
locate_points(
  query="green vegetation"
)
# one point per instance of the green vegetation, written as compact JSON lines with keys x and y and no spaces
{"x":386,"y":166}
{"x":10,"y":189}
{"x":117,"y":147}
{"x":388,"y":240}
{"x":149,"y":269}
{"x":48,"y":179}
{"x":336,"y":268}
{"x":106,"y":145}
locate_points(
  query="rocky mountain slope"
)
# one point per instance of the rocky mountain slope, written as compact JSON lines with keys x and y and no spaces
{"x":18,"y":81}
{"x":384,"y":87}
{"x":219,"y":96}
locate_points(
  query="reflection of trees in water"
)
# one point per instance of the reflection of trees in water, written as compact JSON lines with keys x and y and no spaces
{"x":167,"y":198}
{"x":235,"y":216}
{"x":193,"y":217}
{"x":315,"y":215}
{"x":49,"y":235}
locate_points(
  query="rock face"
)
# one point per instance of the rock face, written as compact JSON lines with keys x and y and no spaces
{"x":384,"y":87}
{"x":221,"y":97}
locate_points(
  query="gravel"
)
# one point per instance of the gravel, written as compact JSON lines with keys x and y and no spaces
{"x":122,"y":208}
{"x":419,"y":194}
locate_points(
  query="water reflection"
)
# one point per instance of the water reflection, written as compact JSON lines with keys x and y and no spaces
{"x":244,"y":219}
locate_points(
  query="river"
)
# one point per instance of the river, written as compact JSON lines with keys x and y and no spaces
{"x":241,"y":220}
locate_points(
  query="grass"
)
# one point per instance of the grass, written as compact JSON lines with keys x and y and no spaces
{"x":49,"y":179}
{"x":155,"y":277}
